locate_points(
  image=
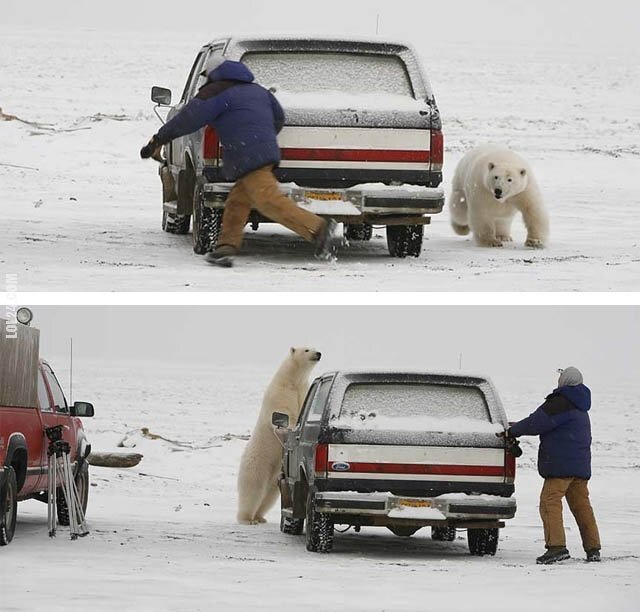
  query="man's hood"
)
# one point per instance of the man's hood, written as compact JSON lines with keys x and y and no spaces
{"x":232,"y":71}
{"x":578,"y":395}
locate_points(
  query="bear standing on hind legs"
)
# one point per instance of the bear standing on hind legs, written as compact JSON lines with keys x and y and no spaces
{"x":491,"y":184}
{"x":261,"y":461}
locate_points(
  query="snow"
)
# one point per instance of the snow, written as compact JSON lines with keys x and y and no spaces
{"x":411,"y":512}
{"x":164,"y":537}
{"x":83,"y":211}
{"x":416,"y":423}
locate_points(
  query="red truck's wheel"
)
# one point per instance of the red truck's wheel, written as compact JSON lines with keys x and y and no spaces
{"x":8,"y":507}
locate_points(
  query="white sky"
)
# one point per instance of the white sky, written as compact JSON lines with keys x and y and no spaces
{"x":505,"y":341}
{"x":587,"y":23}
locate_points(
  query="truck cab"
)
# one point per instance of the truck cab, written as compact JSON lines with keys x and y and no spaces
{"x":31,"y":401}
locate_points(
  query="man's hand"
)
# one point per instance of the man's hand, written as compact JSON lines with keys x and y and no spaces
{"x":152,"y":149}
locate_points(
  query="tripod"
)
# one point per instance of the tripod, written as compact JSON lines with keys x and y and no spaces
{"x":59,"y":469}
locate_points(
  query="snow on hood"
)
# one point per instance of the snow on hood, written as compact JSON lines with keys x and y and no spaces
{"x":578,"y":395}
{"x":231,"y":71}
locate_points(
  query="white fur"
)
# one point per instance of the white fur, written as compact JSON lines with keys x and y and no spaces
{"x":261,"y":461}
{"x":475,"y":206}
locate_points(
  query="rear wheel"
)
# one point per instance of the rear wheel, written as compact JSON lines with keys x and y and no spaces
{"x":359,"y":233}
{"x":175,"y":224}
{"x":82,"y":484}
{"x":405,"y":240}
{"x":207,"y":224}
{"x":443,"y":534}
{"x":291,"y":526}
{"x":319,"y":532}
{"x":8,"y":507}
{"x":483,"y":541}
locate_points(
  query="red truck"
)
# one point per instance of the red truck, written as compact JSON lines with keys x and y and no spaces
{"x":31,"y":400}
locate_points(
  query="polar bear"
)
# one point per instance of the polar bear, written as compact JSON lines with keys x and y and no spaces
{"x":490,"y":185}
{"x":261,"y":461}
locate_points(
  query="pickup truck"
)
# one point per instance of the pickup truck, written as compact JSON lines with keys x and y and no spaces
{"x":399,"y":450}
{"x":32,"y":400}
{"x":362,"y":142}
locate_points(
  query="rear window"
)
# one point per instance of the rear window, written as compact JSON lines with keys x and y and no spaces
{"x":347,"y":73}
{"x":415,"y":406}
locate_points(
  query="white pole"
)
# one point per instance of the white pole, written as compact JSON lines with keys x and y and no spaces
{"x":460,"y":362}
{"x":71,"y":372}
{"x":378,"y":24}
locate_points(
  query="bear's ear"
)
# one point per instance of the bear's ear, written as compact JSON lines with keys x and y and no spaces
{"x":491,"y":166}
{"x":523,"y":172}
{"x":292,"y":350}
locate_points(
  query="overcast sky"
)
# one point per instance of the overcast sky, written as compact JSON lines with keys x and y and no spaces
{"x":589,"y":23}
{"x":504,"y":341}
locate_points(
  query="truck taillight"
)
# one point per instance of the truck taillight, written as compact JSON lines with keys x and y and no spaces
{"x":211,"y":144}
{"x":322,"y":458}
{"x":509,"y":467}
{"x":437,"y":149}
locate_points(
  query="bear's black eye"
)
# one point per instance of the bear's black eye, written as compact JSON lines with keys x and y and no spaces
{"x":511,"y":180}
{"x":307,"y":350}
{"x":495,"y":177}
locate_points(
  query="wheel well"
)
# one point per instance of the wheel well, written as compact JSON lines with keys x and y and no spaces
{"x":19,"y":465}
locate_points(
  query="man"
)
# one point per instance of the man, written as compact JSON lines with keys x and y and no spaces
{"x":564,"y":461}
{"x":247,"y":118}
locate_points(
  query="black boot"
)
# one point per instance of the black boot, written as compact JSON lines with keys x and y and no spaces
{"x":325,"y":242}
{"x":553,"y":555}
{"x":593,"y":555}
{"x":222,"y":256}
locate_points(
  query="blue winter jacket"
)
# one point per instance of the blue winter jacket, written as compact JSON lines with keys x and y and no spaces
{"x":563,"y":425}
{"x":246,"y":116}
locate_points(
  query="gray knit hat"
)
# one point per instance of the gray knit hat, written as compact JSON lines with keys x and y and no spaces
{"x":570,"y":377}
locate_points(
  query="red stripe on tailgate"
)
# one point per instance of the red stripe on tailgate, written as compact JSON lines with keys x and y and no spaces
{"x":410,"y":468}
{"x":363,"y":155}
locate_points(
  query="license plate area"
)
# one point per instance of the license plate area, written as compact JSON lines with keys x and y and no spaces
{"x":323,"y":196}
{"x":415,"y":503}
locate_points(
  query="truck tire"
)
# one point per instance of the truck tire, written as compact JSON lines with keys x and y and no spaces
{"x":483,"y":541}
{"x":8,"y":507}
{"x":405,"y":240}
{"x":82,"y":484}
{"x":175,"y":224}
{"x":319,"y":531}
{"x":207,"y":224}
{"x":403,"y":532}
{"x":291,"y":526}
{"x":359,"y":233}
{"x":443,"y":534}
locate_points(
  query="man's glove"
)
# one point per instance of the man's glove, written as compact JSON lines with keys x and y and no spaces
{"x":151,"y":149}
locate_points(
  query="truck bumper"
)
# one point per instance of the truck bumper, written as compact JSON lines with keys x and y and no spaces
{"x":353,"y":204}
{"x":457,"y":508}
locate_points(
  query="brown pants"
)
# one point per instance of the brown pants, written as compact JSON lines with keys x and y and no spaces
{"x":259,"y":189}
{"x":577,"y":494}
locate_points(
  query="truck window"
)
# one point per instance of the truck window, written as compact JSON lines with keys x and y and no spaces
{"x":43,"y":396}
{"x":319,"y":401}
{"x":347,"y":73}
{"x":432,"y":407}
{"x":189,"y":84}
{"x":59,"y":401}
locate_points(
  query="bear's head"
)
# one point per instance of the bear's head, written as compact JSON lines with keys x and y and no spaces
{"x":504,"y":180}
{"x":304,"y":354}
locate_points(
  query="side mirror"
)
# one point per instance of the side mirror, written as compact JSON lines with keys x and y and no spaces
{"x":161,"y":96}
{"x":280,"y":420}
{"x":82,"y":409}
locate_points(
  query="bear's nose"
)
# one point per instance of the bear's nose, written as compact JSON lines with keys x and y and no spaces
{"x":318,"y":355}
{"x":498,"y":193}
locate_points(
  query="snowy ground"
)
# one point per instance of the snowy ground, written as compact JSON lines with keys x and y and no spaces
{"x":164,"y":537}
{"x":82,"y":212}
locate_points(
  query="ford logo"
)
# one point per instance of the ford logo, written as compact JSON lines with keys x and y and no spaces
{"x":340,"y":466}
